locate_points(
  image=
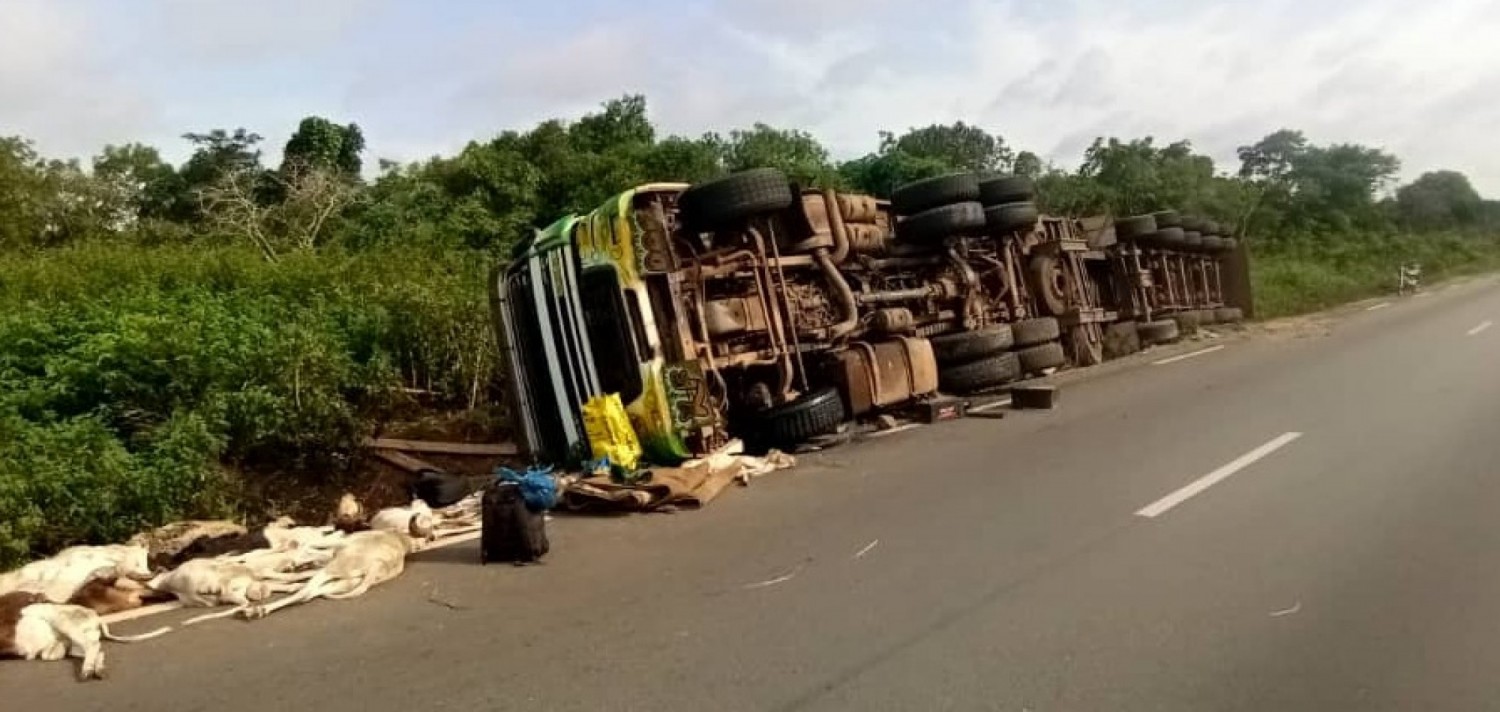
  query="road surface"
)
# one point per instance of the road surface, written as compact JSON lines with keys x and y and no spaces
{"x":1302,"y":520}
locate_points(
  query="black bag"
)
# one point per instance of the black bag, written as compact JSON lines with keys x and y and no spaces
{"x":509,"y":530}
{"x":439,"y":489}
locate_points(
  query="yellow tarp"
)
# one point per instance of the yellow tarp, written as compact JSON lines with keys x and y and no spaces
{"x":609,"y":431}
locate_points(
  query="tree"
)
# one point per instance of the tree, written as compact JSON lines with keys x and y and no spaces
{"x":958,"y":145}
{"x":1306,"y":187}
{"x":1272,"y":159}
{"x":1136,"y":176}
{"x":924,"y":153}
{"x":623,"y":122}
{"x":1267,"y":165}
{"x":682,"y":159}
{"x":1027,"y":164}
{"x":880,"y":174}
{"x":314,"y":198}
{"x":22,"y":213}
{"x":46,"y":203}
{"x":322,"y":144}
{"x":1440,"y":199}
{"x":795,"y":152}
{"x":143,"y":185}
{"x":217,"y":154}
{"x":1335,"y":187}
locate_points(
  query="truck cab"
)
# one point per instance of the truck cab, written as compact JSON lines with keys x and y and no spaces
{"x":575,"y":318}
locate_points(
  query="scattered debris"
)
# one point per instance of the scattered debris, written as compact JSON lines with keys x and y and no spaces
{"x":938,"y":410}
{"x":690,"y":486}
{"x":1288,"y":611}
{"x":861,"y":553}
{"x":1038,"y":397}
{"x":886,"y":421}
{"x":788,"y":576}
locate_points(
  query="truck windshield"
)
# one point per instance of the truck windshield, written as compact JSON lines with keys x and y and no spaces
{"x":613,"y":332}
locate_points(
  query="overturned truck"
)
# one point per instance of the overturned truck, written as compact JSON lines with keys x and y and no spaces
{"x":750,"y":306}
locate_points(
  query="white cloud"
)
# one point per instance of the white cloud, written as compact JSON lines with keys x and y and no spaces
{"x":1383,"y":73}
{"x":1417,"y":79}
{"x":56,"y":83}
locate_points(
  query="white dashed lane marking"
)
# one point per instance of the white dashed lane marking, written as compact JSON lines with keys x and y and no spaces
{"x":1165,"y":504}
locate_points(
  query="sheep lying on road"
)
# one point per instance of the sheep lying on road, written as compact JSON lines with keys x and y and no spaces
{"x":61,"y":577}
{"x":32,"y":629}
{"x":366,"y":559}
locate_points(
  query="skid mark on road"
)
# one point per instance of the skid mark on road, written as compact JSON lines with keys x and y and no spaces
{"x":1480,"y":329}
{"x":1187,"y":356}
{"x":1165,"y":504}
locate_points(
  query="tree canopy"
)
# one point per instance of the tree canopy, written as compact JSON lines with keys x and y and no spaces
{"x":494,"y":191}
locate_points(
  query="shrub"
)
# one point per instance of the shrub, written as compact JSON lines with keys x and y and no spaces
{"x":130,"y":375}
{"x":1300,"y":275}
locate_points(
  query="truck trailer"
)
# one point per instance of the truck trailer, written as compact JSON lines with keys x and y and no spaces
{"x":751,"y":307}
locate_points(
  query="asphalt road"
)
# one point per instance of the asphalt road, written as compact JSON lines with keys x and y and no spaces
{"x":984,"y":564}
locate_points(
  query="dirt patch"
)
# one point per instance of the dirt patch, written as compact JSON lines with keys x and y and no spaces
{"x":1295,"y":327}
{"x":309,"y":496}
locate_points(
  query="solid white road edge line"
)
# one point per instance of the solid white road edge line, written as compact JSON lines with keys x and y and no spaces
{"x":1478,"y":329}
{"x":1185,"y":357}
{"x":1165,"y":504}
{"x":1381,"y":305}
{"x":991,"y":406}
{"x":156,"y":608}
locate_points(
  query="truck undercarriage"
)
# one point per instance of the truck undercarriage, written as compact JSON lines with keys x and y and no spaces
{"x":745,"y":305}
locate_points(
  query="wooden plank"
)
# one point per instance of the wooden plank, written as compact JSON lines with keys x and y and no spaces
{"x":444,"y":448}
{"x":405,"y":461}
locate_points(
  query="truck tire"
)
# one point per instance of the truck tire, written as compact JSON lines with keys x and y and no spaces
{"x":817,"y":413}
{"x":1167,"y":218}
{"x":1135,"y":227}
{"x":1211,"y":227}
{"x":968,"y":346}
{"x":929,"y":193}
{"x":731,"y":200}
{"x":1192,"y":223}
{"x":1230,"y":245}
{"x":1030,"y":332}
{"x":989,"y":372}
{"x":941,"y":222}
{"x":1229,"y":315}
{"x":1207,"y":317}
{"x":1212,"y":243}
{"x":1041,"y":357}
{"x":1011,"y":217}
{"x":1191,"y":240}
{"x":1085,"y":345}
{"x":1167,"y":238}
{"x":1047,"y":281}
{"x":1121,"y":339}
{"x":998,"y":190}
{"x":1158,"y":332}
{"x":1188,"y":322}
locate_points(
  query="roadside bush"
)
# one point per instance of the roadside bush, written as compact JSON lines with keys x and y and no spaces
{"x":131,"y":376}
{"x":1300,"y":275}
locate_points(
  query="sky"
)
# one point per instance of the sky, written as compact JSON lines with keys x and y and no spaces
{"x":423,"y":78}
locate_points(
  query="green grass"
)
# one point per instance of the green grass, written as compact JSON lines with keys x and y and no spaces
{"x":134,"y":380}
{"x":1308,"y":275}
